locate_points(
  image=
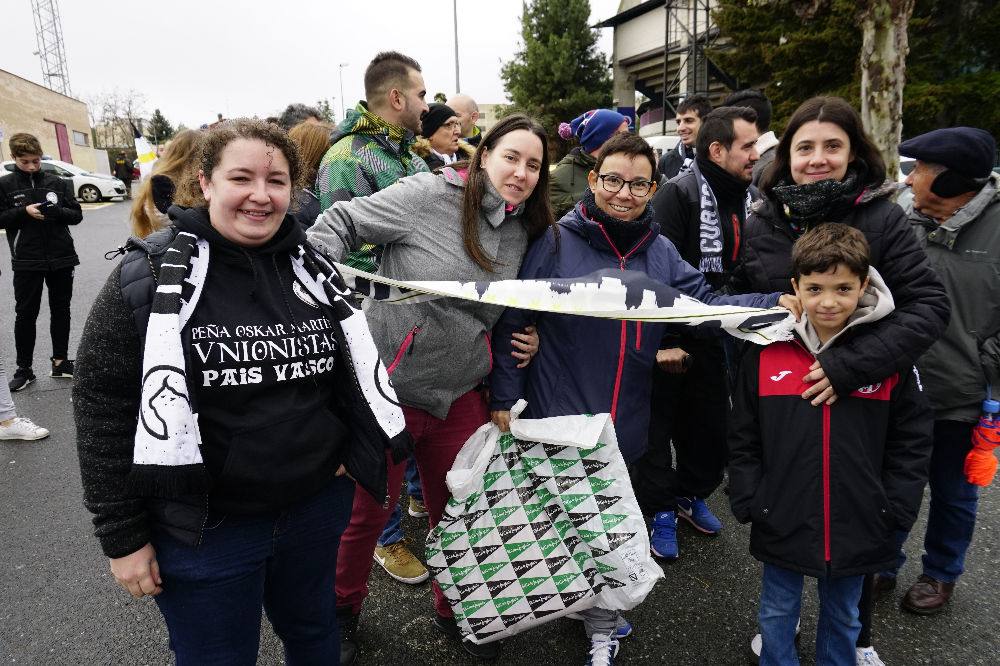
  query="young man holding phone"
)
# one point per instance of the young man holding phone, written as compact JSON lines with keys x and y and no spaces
{"x":36,"y":209}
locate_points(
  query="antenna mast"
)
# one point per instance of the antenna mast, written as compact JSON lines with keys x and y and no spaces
{"x":52,"y":53}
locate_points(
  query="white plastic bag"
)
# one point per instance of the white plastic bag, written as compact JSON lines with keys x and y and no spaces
{"x":543,"y":523}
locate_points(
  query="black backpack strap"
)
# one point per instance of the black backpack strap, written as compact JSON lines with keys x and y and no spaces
{"x":140,"y":273}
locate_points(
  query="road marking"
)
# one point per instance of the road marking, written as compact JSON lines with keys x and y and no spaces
{"x":95,"y":206}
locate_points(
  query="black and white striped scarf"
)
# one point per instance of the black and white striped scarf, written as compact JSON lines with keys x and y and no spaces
{"x":166,"y":455}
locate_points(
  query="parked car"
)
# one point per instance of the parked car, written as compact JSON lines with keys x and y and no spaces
{"x":89,"y":187}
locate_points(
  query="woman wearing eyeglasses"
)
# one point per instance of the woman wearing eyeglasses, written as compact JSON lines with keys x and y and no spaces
{"x":587,"y":365}
{"x":440,"y":138}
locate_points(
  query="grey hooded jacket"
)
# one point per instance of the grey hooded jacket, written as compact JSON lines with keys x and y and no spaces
{"x":964,"y":251}
{"x":876,"y":303}
{"x":438,"y":350}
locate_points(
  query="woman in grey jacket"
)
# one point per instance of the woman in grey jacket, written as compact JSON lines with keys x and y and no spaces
{"x":461,"y":225}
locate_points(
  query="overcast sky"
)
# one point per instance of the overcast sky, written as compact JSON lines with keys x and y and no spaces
{"x":195,"y":58}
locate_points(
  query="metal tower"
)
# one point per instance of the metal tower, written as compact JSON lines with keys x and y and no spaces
{"x":52,"y":53}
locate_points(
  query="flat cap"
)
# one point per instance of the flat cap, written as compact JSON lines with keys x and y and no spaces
{"x":969,"y":151}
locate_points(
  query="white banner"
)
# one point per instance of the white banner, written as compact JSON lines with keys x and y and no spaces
{"x":608,"y":294}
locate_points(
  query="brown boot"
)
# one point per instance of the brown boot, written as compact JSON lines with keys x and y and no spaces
{"x":927,"y":596}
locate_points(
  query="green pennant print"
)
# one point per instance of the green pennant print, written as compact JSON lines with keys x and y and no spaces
{"x":600,"y":484}
{"x":502,"y":513}
{"x":548,"y":545}
{"x":518,"y":476}
{"x":563,"y":581}
{"x":458,"y":573}
{"x":476,"y":534}
{"x":588,"y":535}
{"x":532,"y":510}
{"x":559,"y":465}
{"x":454,"y":503}
{"x":473,"y":498}
{"x":528,"y":584}
{"x":492,"y":477}
{"x":515,"y":549}
{"x":581,"y":558}
{"x":449,"y":538}
{"x":507,"y":441}
{"x":445,"y":586}
{"x":430,"y":552}
{"x":570,"y":502}
{"x":490,"y":570}
{"x":604,"y":568}
{"x":563,"y":526}
{"x":503,"y":603}
{"x":612,"y":519}
{"x":531,"y":463}
{"x":544,"y":495}
{"x":470,"y":607}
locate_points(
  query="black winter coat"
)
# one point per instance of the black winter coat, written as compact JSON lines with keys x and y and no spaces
{"x":39,"y":245}
{"x":826,"y":487}
{"x":887,"y":346}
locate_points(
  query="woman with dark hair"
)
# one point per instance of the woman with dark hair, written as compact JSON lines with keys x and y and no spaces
{"x":224,"y":386}
{"x":466,"y":225}
{"x":827,"y":169}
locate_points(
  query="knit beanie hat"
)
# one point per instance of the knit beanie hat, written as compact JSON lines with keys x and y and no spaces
{"x":437,"y":115}
{"x":593,"y":128}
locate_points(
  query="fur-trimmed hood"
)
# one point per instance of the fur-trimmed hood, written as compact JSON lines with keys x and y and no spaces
{"x":422,"y":147}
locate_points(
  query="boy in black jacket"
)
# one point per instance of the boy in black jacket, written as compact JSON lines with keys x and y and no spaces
{"x":36,"y":209}
{"x":825,"y":487}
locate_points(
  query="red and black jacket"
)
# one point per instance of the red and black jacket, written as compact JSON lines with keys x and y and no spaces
{"x":825,"y":487}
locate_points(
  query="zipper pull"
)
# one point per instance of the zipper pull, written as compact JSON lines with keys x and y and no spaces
{"x":413,"y":340}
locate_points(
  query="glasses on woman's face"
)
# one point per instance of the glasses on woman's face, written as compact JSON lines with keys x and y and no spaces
{"x":452,"y":125}
{"x":614,"y":184}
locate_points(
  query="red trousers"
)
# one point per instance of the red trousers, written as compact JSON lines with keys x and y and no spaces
{"x":436,"y":443}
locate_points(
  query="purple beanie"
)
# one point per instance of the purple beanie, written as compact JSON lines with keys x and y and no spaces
{"x":593,"y":128}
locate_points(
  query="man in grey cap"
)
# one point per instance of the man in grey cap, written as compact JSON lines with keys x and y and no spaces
{"x":956,"y":216}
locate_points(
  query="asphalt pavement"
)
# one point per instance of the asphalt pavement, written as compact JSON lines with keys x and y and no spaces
{"x":60,"y":605}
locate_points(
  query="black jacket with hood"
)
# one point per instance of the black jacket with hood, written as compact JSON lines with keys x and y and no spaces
{"x":39,"y":245}
{"x":827,"y":487}
{"x":889,"y":346}
{"x":278,"y":408}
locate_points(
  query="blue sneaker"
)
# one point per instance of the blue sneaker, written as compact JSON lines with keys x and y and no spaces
{"x":603,"y":650}
{"x":663,"y":538}
{"x":695,"y":511}
{"x":622,"y":630}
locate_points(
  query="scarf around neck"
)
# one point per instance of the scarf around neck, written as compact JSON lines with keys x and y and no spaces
{"x":710,"y":231}
{"x":822,"y":201}
{"x":167,"y":458}
{"x":623,"y":235}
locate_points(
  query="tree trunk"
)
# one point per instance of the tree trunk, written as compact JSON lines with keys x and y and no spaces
{"x":884,"y":47}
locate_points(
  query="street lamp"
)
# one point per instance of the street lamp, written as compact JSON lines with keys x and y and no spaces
{"x":341,"y":67}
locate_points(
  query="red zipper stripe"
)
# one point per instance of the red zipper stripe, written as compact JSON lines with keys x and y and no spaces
{"x":736,"y":237}
{"x":618,"y":373}
{"x":624,"y":336}
{"x":638,"y":335}
{"x":489,"y":350}
{"x":826,"y":482}
{"x":407,"y":341}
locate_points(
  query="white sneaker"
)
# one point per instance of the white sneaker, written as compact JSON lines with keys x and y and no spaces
{"x":22,"y":428}
{"x":603,"y":650}
{"x":867,"y":656}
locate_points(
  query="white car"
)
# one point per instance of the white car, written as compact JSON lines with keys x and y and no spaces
{"x":89,"y":187}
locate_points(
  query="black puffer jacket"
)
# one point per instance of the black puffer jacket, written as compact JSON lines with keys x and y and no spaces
{"x":888,"y":346}
{"x":830,"y":485}
{"x":39,"y":245}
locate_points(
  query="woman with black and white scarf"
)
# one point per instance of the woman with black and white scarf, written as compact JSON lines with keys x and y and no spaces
{"x":225,"y":390}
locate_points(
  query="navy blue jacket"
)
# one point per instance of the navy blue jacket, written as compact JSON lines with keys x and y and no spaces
{"x":587,"y":365}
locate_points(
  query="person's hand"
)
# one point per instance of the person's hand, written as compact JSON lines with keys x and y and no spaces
{"x":138,"y":573}
{"x":33,"y":211}
{"x":672,"y":360}
{"x":501,"y":418}
{"x":525,"y":345}
{"x":792,"y":304}
{"x":822,"y":390}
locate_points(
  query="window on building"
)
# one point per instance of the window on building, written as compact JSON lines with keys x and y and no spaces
{"x":81,"y":138}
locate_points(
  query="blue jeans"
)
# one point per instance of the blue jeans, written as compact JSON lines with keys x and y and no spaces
{"x":836,"y":630}
{"x":393,"y":532}
{"x":951,"y":519}
{"x":285,"y":562}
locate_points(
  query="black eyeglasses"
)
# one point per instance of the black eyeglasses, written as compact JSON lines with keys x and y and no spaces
{"x":614,"y":184}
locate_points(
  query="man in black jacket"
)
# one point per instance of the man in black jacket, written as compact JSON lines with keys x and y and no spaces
{"x":36,"y":209}
{"x":690,"y":114}
{"x":702,"y":212}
